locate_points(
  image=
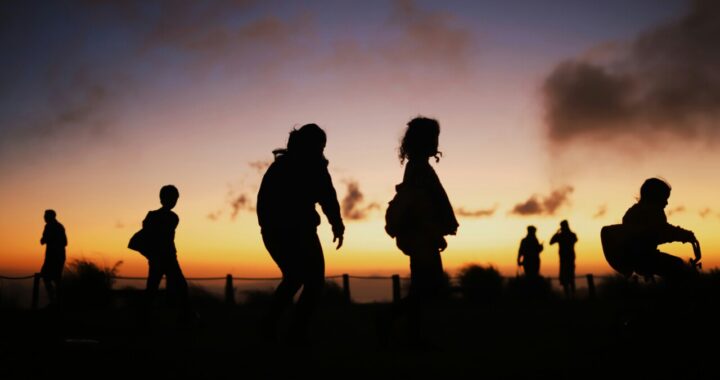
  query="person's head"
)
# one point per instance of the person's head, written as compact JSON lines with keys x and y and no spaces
{"x":531,"y":230}
{"x":564,"y":225}
{"x":420,"y":141}
{"x":169,"y":195}
{"x":49,"y":216}
{"x":655,"y":191}
{"x":307,"y":141}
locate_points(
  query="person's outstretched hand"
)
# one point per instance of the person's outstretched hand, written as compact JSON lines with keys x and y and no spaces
{"x":339,"y":239}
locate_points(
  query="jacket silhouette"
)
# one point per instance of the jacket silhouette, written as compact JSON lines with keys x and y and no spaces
{"x":294,"y":183}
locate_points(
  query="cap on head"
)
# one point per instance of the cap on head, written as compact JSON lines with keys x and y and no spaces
{"x":531,"y":229}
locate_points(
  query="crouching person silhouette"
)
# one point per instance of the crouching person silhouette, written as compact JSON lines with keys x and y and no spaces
{"x":632,"y":247}
{"x":294,"y":183}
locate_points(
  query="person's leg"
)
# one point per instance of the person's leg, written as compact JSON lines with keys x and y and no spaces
{"x":155,"y":274}
{"x":280,"y":246}
{"x":313,"y":279}
{"x":427,"y":283}
{"x":177,"y":286}
{"x":671,"y":268}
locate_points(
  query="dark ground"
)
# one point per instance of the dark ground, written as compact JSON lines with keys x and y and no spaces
{"x":644,"y":335}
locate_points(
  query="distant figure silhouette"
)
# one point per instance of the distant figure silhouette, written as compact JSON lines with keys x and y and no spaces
{"x":55,"y":241}
{"x":632,"y":246}
{"x":566,"y":240}
{"x":160,"y":225}
{"x":429,"y":219}
{"x":529,"y":253}
{"x":294,"y":183}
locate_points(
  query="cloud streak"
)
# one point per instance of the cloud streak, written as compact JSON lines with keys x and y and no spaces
{"x":544,"y":205}
{"x":480,"y":213}
{"x":666,"y":83}
{"x":352,"y":206}
{"x":602,"y":210}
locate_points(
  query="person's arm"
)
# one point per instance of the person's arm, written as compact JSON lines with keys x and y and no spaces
{"x":554,"y":238}
{"x":331,"y":208}
{"x":43,"y":238}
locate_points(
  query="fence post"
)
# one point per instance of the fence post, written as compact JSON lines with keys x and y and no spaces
{"x":36,"y":291}
{"x":396,"y":288}
{"x":591,"y":286}
{"x":229,"y":290}
{"x":346,"y":288}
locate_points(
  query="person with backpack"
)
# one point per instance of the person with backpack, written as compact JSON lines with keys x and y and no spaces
{"x":419,"y":218}
{"x":159,"y":233}
{"x":294,"y":183}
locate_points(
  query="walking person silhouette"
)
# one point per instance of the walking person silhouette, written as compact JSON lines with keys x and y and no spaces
{"x":55,"y":241}
{"x":160,"y":228}
{"x":420,"y":230}
{"x":294,"y":183}
{"x":566,"y":240}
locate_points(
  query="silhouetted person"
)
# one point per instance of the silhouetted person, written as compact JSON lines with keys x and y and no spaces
{"x":294,"y":183}
{"x":160,"y":225}
{"x":566,"y":240}
{"x":529,"y":253}
{"x":430,"y":219}
{"x":55,"y":241}
{"x":648,"y":226}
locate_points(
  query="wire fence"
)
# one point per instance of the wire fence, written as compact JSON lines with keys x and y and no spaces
{"x":367,"y":293}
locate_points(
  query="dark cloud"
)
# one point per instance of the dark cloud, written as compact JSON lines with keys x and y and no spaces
{"x":602,"y":210}
{"x":537,"y":205}
{"x":416,"y":42}
{"x":75,"y":62}
{"x":240,"y":203}
{"x":215,"y":215}
{"x":352,"y":204}
{"x":705,"y":212}
{"x":666,"y":83}
{"x":481,"y":213}
{"x":260,"y":166}
{"x":676,"y":210}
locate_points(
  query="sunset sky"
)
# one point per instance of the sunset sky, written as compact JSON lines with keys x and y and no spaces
{"x":549,"y":110}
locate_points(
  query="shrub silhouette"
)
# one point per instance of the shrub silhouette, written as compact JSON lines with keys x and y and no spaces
{"x":524,"y":287}
{"x":480,"y":284}
{"x":333,"y":294}
{"x":87,"y":286}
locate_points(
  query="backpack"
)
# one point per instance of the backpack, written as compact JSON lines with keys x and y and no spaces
{"x":616,"y":241}
{"x":397,"y":213}
{"x":140,"y":242}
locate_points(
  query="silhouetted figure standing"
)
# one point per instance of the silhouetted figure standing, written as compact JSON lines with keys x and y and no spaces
{"x":647,"y":224}
{"x":294,"y":183}
{"x":529,"y":254}
{"x":566,"y":240}
{"x":160,"y":225}
{"x":55,"y":241}
{"x":430,"y":217}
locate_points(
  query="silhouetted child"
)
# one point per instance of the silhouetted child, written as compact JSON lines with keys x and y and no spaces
{"x":422,"y":236}
{"x":566,"y":240}
{"x":294,"y":183}
{"x":55,"y":241}
{"x":648,"y":226}
{"x":160,"y":225}
{"x":529,"y":254}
